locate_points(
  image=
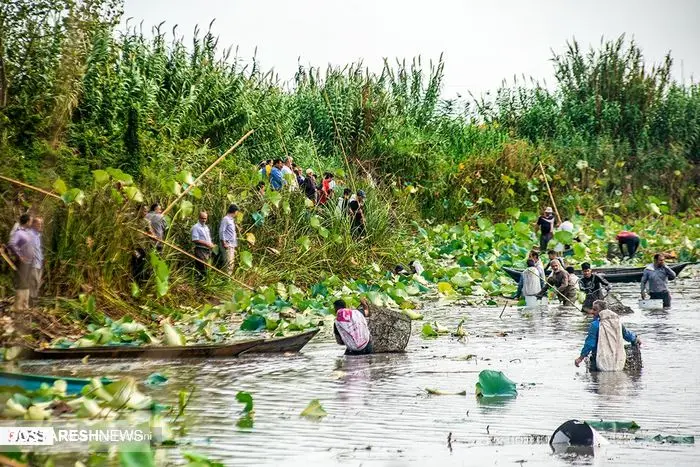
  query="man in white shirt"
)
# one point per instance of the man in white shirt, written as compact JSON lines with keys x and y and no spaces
{"x":288,"y":174}
{"x":201,"y":237}
{"x":229,"y":238}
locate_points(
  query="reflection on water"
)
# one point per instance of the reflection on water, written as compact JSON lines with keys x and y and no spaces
{"x":379,"y":413}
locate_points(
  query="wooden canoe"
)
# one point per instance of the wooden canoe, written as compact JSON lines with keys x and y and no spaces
{"x":31,"y":382}
{"x":148,"y":352}
{"x":614,"y":275}
{"x":275,"y":345}
{"x":283,"y":344}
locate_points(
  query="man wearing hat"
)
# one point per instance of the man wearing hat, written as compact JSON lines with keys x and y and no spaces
{"x":356,"y":209}
{"x":546,"y":225}
{"x":228,"y":238}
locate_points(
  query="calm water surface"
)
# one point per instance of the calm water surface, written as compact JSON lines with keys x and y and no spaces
{"x":380,"y":415}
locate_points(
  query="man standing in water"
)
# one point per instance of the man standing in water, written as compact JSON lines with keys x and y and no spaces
{"x":228,"y":238}
{"x":37,"y":260}
{"x":21,"y":246}
{"x":593,"y":286}
{"x":604,"y":342}
{"x":201,"y":237}
{"x":545,"y":223}
{"x":561,"y":281}
{"x":657,"y":276}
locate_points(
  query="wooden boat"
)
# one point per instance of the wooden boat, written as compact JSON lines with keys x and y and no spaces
{"x":275,"y":345}
{"x":283,"y":344}
{"x":148,"y":352}
{"x":30,"y":382}
{"x":612,"y":274}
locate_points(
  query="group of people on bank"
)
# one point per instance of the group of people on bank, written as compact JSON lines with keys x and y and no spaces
{"x":287,"y":175}
{"x":278,"y":176}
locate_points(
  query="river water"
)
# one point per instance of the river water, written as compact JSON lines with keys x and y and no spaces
{"x":380,"y":415}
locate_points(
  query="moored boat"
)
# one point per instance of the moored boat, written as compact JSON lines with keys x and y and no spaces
{"x":274,"y":345}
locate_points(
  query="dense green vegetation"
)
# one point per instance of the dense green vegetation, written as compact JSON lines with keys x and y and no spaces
{"x":617,"y":138}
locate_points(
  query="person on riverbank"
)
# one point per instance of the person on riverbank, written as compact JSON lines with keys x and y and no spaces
{"x":325,"y":191}
{"x":276,"y":176}
{"x":228,"y":238}
{"x":201,"y":237}
{"x":299,"y":177}
{"x":158,"y":224}
{"x":630,"y":240}
{"x":288,"y":174}
{"x":310,"y":185}
{"x":356,"y":209}
{"x":560,"y":280}
{"x":566,"y":226}
{"x":21,"y":247}
{"x":35,"y":281}
{"x":351,"y":329}
{"x":530,"y":284}
{"x":593,"y":286}
{"x":344,"y":200}
{"x":657,"y":275}
{"x":545,"y":223}
{"x":604,"y":342}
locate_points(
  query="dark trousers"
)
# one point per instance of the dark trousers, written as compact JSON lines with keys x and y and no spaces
{"x":665,"y":296}
{"x":202,"y":254}
{"x":544,"y":241}
{"x":632,"y":246}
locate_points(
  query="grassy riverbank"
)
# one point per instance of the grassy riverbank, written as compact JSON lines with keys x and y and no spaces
{"x":618,"y":141}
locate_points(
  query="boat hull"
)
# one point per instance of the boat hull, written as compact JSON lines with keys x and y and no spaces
{"x":612,"y":275}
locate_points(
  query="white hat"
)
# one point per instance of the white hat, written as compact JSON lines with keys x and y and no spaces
{"x":309,"y":172}
{"x":548,"y":209}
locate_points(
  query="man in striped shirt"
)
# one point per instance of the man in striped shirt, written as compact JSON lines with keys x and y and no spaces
{"x":228,"y":237}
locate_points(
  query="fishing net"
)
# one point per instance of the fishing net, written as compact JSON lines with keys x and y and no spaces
{"x":633,"y":361}
{"x":390,"y":330}
{"x":615,"y":305}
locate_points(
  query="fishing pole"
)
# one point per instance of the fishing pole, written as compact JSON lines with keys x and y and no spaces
{"x":566,"y":299}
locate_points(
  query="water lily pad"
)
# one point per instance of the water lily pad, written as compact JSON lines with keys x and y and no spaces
{"x":314,"y":410}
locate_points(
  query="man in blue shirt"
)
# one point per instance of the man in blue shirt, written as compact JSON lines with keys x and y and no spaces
{"x":22,"y":247}
{"x":201,"y":237}
{"x":590,"y":346}
{"x":276,"y":176}
{"x":228,"y":238}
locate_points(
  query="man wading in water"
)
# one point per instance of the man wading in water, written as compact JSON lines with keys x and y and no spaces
{"x":593,"y":285}
{"x":351,"y":329}
{"x":604,"y":341}
{"x":560,"y":280}
{"x":657,"y":276}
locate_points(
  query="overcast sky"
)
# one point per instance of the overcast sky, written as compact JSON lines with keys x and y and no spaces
{"x":483,"y":41}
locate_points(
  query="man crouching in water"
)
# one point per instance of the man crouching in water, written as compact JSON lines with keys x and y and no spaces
{"x":605,"y":340}
{"x":562,"y":282}
{"x":351,"y":329}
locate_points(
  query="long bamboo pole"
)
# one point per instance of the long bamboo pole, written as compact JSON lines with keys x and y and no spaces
{"x":7,"y":258}
{"x":26,"y":185}
{"x":177,"y":248}
{"x":551,"y":197}
{"x":214,"y":164}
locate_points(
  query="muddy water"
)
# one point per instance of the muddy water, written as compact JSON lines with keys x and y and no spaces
{"x":379,"y":413}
